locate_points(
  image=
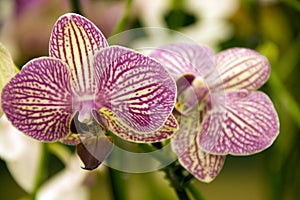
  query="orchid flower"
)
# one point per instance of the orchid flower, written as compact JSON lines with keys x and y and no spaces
{"x":221,"y":113}
{"x":85,"y":88}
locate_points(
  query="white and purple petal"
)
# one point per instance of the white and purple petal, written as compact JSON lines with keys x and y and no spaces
{"x":136,"y":88}
{"x":188,"y":130}
{"x":204,"y":166}
{"x":75,"y":40}
{"x":113,"y":124}
{"x":249,"y":125}
{"x":241,"y":68}
{"x":185,"y":58}
{"x":38,"y":100}
{"x":71,"y":139}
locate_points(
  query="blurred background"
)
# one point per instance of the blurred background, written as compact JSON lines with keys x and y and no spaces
{"x":269,"y":26}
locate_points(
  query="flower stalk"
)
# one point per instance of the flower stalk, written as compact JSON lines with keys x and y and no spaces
{"x":176,"y":181}
{"x":182,"y":182}
{"x":117,"y":183}
{"x":192,"y":188}
{"x":76,"y":6}
{"x":40,"y":173}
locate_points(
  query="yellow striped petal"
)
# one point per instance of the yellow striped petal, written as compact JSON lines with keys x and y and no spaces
{"x":6,"y":69}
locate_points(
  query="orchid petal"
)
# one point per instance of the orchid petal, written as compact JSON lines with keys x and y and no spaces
{"x":184,"y":58}
{"x":71,"y":139}
{"x":241,"y":68}
{"x":190,"y":97}
{"x":167,"y":131}
{"x":6,"y":69}
{"x":185,"y":136}
{"x":250,"y":124}
{"x":202,"y":165}
{"x":136,"y":88}
{"x":38,"y":99}
{"x":75,"y":40}
{"x":74,"y":137}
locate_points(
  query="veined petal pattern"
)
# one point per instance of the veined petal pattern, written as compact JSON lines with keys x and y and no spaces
{"x":75,"y":40}
{"x":38,"y":99}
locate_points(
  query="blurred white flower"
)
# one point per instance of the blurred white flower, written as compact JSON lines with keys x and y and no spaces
{"x":210,"y":28}
{"x":68,"y":184}
{"x":21,"y":154}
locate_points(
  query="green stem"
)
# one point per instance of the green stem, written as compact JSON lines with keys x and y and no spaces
{"x":76,"y":6}
{"x":124,"y":20}
{"x":175,"y":173}
{"x":193,"y":189}
{"x":117,"y":184}
{"x":40,"y":174}
{"x":176,"y":182}
{"x":179,"y":179}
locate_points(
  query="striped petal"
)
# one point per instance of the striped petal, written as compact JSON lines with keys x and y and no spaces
{"x":192,"y":97}
{"x":241,"y":68}
{"x":113,"y":124}
{"x":204,"y":166}
{"x":71,"y":139}
{"x":75,"y":40}
{"x":188,"y":130}
{"x":38,"y":99}
{"x":6,"y":69}
{"x":250,"y":124}
{"x":136,"y":88}
{"x":185,"y":58}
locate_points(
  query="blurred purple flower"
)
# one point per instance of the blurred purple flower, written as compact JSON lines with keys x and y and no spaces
{"x":85,"y":88}
{"x":221,"y":113}
{"x":23,"y":5}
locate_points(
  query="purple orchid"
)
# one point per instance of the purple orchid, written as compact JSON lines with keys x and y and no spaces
{"x":220,"y":111}
{"x":86,"y":87}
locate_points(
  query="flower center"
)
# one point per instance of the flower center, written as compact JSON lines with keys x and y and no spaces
{"x":191,"y":96}
{"x":85,"y":113}
{"x":200,"y":88}
{"x":85,"y":105}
